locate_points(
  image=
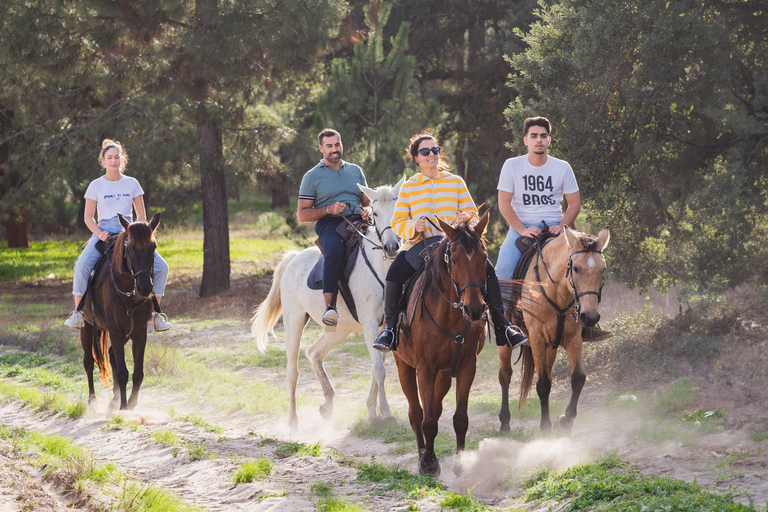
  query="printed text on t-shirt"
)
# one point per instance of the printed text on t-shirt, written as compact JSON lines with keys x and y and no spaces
{"x":537,"y":184}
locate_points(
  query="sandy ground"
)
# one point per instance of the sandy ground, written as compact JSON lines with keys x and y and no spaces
{"x":725,"y":460}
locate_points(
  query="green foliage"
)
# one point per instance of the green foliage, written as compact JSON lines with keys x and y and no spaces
{"x":253,"y":470}
{"x":415,"y":486}
{"x":462,"y":503}
{"x":199,"y":421}
{"x":145,"y":498}
{"x":678,"y":396}
{"x":609,"y":485}
{"x":334,"y":504}
{"x":77,"y":410}
{"x":198,"y":451}
{"x":663,"y":140}
{"x":299,"y":450}
{"x":166,"y":437}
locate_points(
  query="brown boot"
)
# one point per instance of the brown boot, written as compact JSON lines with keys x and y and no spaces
{"x":595,"y":334}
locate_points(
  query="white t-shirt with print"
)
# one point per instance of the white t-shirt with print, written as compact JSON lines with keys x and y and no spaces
{"x":537,"y":191}
{"x":113,"y":197}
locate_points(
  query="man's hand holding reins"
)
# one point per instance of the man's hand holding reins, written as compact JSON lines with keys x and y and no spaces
{"x":532,"y":231}
{"x":335,"y":208}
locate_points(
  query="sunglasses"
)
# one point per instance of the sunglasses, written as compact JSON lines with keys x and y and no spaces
{"x":425,"y":151}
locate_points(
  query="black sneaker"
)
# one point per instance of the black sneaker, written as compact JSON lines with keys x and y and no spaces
{"x":385,"y":340}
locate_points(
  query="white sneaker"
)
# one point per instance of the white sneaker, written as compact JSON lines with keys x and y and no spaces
{"x":74,"y":320}
{"x":330,"y":316}
{"x":161,"y":322}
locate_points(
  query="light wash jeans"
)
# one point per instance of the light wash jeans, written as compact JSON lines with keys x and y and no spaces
{"x":90,"y":255}
{"x":509,"y":254}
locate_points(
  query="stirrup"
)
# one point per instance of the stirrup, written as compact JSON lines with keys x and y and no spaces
{"x":385,"y":340}
{"x":514,"y":336}
{"x":330,"y":316}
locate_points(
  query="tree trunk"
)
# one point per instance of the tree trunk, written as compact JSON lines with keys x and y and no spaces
{"x":209,"y":145}
{"x":16,"y":231}
{"x":215,"y":215}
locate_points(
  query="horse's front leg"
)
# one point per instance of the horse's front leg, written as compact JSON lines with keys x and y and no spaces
{"x":294,"y":321}
{"x":544,"y":359}
{"x":464,"y":379}
{"x":578,"y":377}
{"x":428,"y":465}
{"x":378,"y":373}
{"x":138,"y":345}
{"x":119,"y":369}
{"x":86,"y":340}
{"x":316,"y":354}
{"x":410,"y":387}
{"x":505,"y":377}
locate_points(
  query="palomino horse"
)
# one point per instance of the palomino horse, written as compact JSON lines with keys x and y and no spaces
{"x":291,"y":297}
{"x":445,"y":336}
{"x":124,"y":287}
{"x":561,"y":292}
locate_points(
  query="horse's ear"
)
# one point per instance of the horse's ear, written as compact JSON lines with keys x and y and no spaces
{"x":398,"y":186}
{"x":482,"y":224}
{"x":570,"y":237}
{"x":155,"y":221}
{"x":371,"y":193}
{"x":603,"y":238}
{"x":447,"y":228}
{"x":122,"y":220}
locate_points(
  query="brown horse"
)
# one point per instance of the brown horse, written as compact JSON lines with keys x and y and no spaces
{"x":446,"y":334}
{"x":560,"y":293}
{"x":124,"y":287}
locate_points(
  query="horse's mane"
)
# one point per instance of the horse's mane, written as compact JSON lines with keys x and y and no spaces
{"x":139,"y":234}
{"x":436,"y":270}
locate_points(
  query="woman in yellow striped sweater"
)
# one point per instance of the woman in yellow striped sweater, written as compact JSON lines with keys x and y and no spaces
{"x":433,"y":192}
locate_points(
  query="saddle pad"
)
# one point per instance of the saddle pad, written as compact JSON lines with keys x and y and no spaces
{"x":315,"y":278}
{"x":525,"y":260}
{"x":406,"y":309}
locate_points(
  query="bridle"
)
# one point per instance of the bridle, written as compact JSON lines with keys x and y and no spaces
{"x":575,"y":303}
{"x":569,"y":277}
{"x":131,"y":295}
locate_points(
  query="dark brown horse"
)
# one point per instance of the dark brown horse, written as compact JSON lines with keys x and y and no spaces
{"x":446,"y":334}
{"x":560,"y":294}
{"x":124,"y":288}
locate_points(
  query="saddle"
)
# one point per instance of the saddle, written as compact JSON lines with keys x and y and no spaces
{"x":511,"y":290}
{"x":351,"y":248}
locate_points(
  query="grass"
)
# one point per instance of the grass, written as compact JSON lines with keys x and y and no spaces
{"x":679,"y":395}
{"x":397,"y":479}
{"x":299,"y":450}
{"x":253,"y":470}
{"x":146,"y":498}
{"x":609,"y":485}
{"x":166,"y":437}
{"x":201,"y":422}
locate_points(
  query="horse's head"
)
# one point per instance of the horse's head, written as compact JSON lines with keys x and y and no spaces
{"x":586,"y":265}
{"x":135,"y":253}
{"x":383,"y":201}
{"x":464,"y":255}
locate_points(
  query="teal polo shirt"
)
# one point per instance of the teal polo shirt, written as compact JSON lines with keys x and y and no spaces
{"x":324,"y":185}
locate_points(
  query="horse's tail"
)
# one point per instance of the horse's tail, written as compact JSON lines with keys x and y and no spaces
{"x":99,"y":350}
{"x":526,"y":376}
{"x":266,"y":314}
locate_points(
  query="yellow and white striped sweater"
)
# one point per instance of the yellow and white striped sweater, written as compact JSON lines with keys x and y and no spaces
{"x":443,"y":196}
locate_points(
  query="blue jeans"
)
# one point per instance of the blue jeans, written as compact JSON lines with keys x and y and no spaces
{"x":509,"y":254}
{"x":333,"y":251}
{"x":90,"y":255}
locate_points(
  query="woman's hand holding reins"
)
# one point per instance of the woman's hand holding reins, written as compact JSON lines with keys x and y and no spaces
{"x":103,"y":236}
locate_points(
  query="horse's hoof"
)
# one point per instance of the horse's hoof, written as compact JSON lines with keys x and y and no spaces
{"x":566,"y":424}
{"x":91,"y":400}
{"x":504,"y":427}
{"x":326,"y":411}
{"x":458,"y":467}
{"x":429,"y":466}
{"x":389,"y":421}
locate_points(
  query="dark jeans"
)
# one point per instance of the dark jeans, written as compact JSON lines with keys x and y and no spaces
{"x":333,"y":251}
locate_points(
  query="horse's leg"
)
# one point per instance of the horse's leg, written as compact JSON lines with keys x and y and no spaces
{"x":544,"y":359}
{"x":138,"y":345}
{"x":119,"y":367}
{"x":316,"y":353}
{"x":378,"y":374}
{"x":429,"y":464}
{"x":86,"y":340}
{"x":505,"y":377}
{"x":578,"y":377}
{"x":410,"y":387}
{"x":464,"y":379}
{"x":115,"y":402}
{"x":294,"y":321}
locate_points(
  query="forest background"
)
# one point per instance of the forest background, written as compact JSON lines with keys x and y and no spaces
{"x":660,"y":107}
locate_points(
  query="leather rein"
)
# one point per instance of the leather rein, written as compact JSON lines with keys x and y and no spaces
{"x":131,"y":295}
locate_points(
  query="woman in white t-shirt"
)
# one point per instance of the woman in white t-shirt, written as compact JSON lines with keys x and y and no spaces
{"x":111,"y":194}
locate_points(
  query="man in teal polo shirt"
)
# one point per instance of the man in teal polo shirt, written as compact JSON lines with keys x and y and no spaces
{"x":328,"y":191}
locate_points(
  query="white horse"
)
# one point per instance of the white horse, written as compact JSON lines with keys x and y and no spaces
{"x":291,"y":297}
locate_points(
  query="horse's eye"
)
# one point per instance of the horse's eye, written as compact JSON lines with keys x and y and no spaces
{"x":575,"y":269}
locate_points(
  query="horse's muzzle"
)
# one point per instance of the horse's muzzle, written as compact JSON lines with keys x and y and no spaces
{"x":589,"y":318}
{"x":390,"y":250}
{"x":474,"y":314}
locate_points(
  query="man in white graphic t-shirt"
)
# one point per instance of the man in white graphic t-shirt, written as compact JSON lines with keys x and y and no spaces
{"x":531,"y":188}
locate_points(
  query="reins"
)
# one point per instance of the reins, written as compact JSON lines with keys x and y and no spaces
{"x":132,"y":294}
{"x":380,"y":245}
